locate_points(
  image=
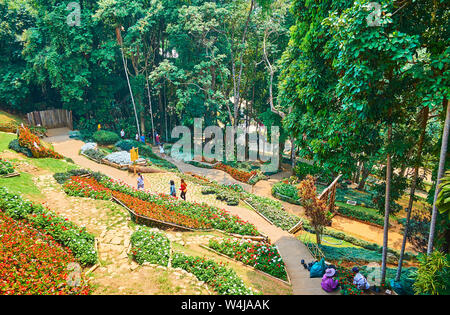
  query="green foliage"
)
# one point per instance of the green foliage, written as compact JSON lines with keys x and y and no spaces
{"x":15,"y":146}
{"x":104,"y":137}
{"x":443,"y":201}
{"x":433,"y":274}
{"x":361,"y":214}
{"x":95,"y":154}
{"x":150,"y":247}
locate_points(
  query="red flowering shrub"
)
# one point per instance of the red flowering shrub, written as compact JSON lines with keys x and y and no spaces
{"x":262,"y":256}
{"x":345,"y":278}
{"x":29,"y":140}
{"x":239,"y":175}
{"x":172,"y":210}
{"x":31,"y":263}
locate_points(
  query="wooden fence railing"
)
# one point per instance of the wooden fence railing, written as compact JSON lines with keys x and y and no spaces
{"x":52,"y":118}
{"x":329,"y":194}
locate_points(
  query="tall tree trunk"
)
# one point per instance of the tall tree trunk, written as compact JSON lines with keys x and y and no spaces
{"x":413,"y":190}
{"x":119,"y":39}
{"x":439,"y":176}
{"x":151,"y":110}
{"x":293,"y":155}
{"x":364,"y":175}
{"x":386,"y":208}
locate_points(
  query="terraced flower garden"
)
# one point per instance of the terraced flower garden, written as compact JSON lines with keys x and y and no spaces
{"x":160,"y":207}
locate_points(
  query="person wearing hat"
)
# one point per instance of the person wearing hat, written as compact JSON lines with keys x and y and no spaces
{"x":359,"y":280}
{"x":328,"y":283}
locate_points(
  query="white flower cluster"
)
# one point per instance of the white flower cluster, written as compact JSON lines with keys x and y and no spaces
{"x":121,"y":157}
{"x":89,"y":145}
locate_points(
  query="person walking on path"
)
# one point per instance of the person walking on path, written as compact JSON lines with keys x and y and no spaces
{"x":122,"y":134}
{"x":161,"y":150}
{"x":173,"y":191}
{"x":183,"y":188}
{"x":140,"y":182}
{"x":157,"y":139}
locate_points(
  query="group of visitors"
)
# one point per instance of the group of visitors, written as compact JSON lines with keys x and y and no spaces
{"x":329,"y":284}
{"x":172,"y":190}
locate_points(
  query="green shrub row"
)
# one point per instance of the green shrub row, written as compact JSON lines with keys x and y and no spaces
{"x":15,"y":146}
{"x":104,"y":137}
{"x":356,"y":213}
{"x":223,"y":280}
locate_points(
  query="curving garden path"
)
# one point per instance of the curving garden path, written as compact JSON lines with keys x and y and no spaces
{"x":291,"y":249}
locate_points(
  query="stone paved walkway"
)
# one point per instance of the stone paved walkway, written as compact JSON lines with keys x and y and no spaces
{"x":291,"y":249}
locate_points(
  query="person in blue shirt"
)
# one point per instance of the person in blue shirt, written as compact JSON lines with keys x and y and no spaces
{"x":173,"y":191}
{"x":142,"y":138}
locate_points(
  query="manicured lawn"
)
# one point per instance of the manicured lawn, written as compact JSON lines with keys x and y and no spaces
{"x":22,"y":184}
{"x":5,"y":139}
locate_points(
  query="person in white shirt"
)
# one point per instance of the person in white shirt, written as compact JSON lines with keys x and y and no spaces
{"x":122,"y":134}
{"x":359,"y":280}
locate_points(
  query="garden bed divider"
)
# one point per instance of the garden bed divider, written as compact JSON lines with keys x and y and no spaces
{"x":14,"y":174}
{"x":247,"y":266}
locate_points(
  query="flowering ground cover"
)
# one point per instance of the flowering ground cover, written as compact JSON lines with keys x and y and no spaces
{"x":235,"y":173}
{"x":6,"y":167}
{"x":273,"y":210}
{"x":29,"y":140}
{"x":160,"y":206}
{"x":262,"y":256}
{"x":345,"y":278}
{"x":223,"y":280}
{"x":31,"y":263}
{"x":68,"y":234}
{"x":151,"y":247}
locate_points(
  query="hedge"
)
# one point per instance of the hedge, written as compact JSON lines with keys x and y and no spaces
{"x":356,"y":213}
{"x":105,"y":137}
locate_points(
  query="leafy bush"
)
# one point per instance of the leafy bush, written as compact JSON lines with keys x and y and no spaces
{"x":359,"y":214}
{"x":433,"y":274}
{"x":105,"y":137}
{"x":262,"y":256}
{"x":151,"y":247}
{"x":95,"y":154}
{"x":6,"y":167}
{"x":229,"y":198}
{"x":286,"y":192}
{"x":303,"y":169}
{"x":15,"y":146}
{"x":222,"y":279}
{"x":272,"y":210}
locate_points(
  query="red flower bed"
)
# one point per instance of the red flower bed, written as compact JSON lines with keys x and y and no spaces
{"x":29,"y":140}
{"x":241,"y":176}
{"x":31,"y":263}
{"x":89,"y":187}
{"x":157,"y":212}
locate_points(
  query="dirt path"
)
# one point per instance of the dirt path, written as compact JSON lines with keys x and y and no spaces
{"x":291,"y":249}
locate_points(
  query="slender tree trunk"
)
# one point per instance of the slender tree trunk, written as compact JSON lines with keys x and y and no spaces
{"x":439,"y":176}
{"x":386,"y":208}
{"x":364,"y":175}
{"x":293,"y":155}
{"x":119,"y":39}
{"x":151,"y":110}
{"x":412,"y":191}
